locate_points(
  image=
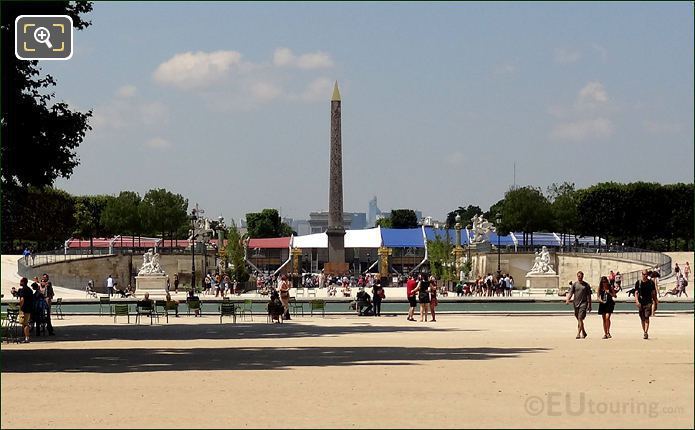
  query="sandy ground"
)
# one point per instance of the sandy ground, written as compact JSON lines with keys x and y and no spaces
{"x":462,"y":371}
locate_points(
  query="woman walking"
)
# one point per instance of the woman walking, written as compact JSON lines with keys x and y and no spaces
{"x":423,"y":289}
{"x":605,"y":296}
{"x":285,"y":296}
{"x":433,"y":297}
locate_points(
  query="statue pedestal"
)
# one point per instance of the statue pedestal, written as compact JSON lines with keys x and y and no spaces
{"x":156,"y":285}
{"x":481,"y":247}
{"x":539,"y":282}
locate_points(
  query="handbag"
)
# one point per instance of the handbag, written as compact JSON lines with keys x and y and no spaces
{"x":382,"y":294}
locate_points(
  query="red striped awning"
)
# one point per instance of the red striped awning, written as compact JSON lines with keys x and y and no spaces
{"x":270,"y":243}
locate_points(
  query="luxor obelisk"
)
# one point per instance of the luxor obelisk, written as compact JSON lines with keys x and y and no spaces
{"x":336,"y":232}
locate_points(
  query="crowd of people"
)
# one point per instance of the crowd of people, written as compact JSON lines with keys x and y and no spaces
{"x":35,"y":306}
{"x":487,"y":286}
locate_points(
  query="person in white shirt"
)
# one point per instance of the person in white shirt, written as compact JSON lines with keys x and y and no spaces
{"x":109,"y":285}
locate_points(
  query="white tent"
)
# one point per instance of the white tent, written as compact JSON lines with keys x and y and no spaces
{"x":369,"y":238}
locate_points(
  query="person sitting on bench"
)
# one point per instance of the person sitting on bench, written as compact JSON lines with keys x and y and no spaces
{"x":364,"y":301}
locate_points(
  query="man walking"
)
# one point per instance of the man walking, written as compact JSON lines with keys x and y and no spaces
{"x":646,"y":300}
{"x":26,"y":307}
{"x":109,"y":285}
{"x":410,"y":292}
{"x":580,"y":291}
{"x":47,"y":286}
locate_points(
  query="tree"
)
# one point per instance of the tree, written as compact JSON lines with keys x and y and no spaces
{"x":267,"y":223}
{"x":403,"y":218}
{"x":525,"y":209}
{"x":384,"y":223}
{"x":440,"y":255}
{"x":34,"y":128}
{"x":163,"y":213}
{"x":88,"y":210}
{"x":563,"y":204}
{"x":43,"y":216}
{"x":235,"y":253}
{"x":466,"y":213}
{"x":122,"y":215}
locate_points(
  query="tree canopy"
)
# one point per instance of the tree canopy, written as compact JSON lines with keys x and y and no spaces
{"x":403,"y":218}
{"x":39,"y":135}
{"x":266,"y":223}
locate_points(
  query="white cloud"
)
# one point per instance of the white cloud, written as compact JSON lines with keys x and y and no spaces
{"x":592,"y":94}
{"x":659,"y":127}
{"x":264,"y":91}
{"x":284,"y":57}
{"x":126,"y":91}
{"x":566,"y":56}
{"x":158,"y":143}
{"x":583,"y":129}
{"x":317,"y":90}
{"x":200,"y":69}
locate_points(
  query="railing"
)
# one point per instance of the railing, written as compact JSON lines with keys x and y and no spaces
{"x":653,"y":259}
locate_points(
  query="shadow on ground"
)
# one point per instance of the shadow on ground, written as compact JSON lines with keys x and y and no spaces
{"x":229,"y":358}
{"x":227,"y":330}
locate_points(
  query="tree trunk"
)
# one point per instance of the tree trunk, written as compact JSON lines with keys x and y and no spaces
{"x":91,"y":245}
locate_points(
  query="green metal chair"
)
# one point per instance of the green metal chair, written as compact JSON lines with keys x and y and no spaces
{"x":171,"y":308}
{"x":105,"y":301}
{"x":195,"y":306}
{"x":296,"y":306}
{"x":227,"y":310}
{"x":318,"y":305}
{"x":247,"y":307}
{"x":146,"y":309}
{"x":121,"y":310}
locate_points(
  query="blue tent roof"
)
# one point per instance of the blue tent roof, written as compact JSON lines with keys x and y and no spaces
{"x":402,"y":237}
{"x":432,"y":234}
{"x":504,"y":240}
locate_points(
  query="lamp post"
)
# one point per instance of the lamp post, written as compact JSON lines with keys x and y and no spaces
{"x":499,"y":221}
{"x":368,"y":261}
{"x":221,"y":227}
{"x":193,"y":219}
{"x":458,"y":250}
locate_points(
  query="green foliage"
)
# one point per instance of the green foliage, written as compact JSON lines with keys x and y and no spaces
{"x":122,"y":215}
{"x":235,"y":253}
{"x":524,"y":209}
{"x":639,"y":214}
{"x":266,"y":223}
{"x":384,"y":223}
{"x":441,"y":258}
{"x":403,"y":218}
{"x":563,"y":204}
{"x":163,"y":212}
{"x":39,"y":135}
{"x":466,"y":213}
{"x":43,"y":216}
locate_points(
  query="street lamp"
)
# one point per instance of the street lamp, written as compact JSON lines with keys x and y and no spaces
{"x":458,"y":250}
{"x":193,"y":219}
{"x":221,"y":227}
{"x":499,"y":221}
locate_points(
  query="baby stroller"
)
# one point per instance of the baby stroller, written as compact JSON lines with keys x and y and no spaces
{"x":275,"y":308}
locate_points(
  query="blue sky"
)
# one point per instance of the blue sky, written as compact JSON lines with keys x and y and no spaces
{"x":228,"y":103}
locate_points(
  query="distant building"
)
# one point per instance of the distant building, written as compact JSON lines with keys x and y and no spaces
{"x":318,"y":221}
{"x":372,"y":212}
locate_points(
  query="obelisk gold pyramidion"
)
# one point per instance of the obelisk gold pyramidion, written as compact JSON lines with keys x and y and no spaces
{"x":336,"y":231}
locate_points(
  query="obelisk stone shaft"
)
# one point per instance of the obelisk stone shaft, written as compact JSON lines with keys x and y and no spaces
{"x":336,"y":231}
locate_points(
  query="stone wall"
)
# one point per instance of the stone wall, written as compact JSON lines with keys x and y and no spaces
{"x":74,"y":274}
{"x":566,"y":265}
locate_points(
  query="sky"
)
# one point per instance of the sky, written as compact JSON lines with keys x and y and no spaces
{"x":228,"y":104}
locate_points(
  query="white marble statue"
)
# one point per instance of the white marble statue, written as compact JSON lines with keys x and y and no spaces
{"x":541,"y":264}
{"x":481,"y":228}
{"x":150,"y":264}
